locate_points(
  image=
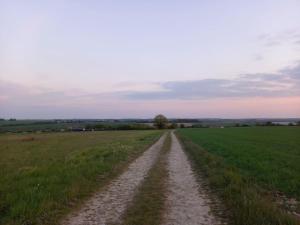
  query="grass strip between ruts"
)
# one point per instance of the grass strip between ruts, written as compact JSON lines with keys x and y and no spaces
{"x":148,"y":204}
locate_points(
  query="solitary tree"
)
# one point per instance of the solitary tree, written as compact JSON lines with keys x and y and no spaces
{"x":173,"y":126}
{"x":160,"y":121}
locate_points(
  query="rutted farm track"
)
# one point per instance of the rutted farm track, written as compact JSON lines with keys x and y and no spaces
{"x":185,"y":202}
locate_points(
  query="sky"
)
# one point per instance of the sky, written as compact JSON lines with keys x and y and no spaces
{"x":135,"y":59}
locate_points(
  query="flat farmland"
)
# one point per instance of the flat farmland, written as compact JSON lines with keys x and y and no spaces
{"x":43,"y":176}
{"x":245,"y":164}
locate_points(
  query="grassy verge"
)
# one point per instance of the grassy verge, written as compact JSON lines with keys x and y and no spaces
{"x":43,"y":176}
{"x":247,"y":202}
{"x":148,"y":205}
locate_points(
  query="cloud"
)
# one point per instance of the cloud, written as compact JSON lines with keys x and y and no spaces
{"x":22,"y":101}
{"x":38,"y":102}
{"x":292,"y":71}
{"x":258,"y":57}
{"x":271,"y":40}
{"x":282,"y":84}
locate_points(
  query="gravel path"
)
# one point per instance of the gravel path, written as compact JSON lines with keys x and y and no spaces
{"x":186,"y":201}
{"x":107,"y":206}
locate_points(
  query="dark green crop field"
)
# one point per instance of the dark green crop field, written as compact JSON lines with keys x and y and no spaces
{"x":43,"y":175}
{"x":239,"y":162}
{"x":269,"y":154}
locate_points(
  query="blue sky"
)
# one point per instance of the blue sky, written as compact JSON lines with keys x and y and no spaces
{"x":53,"y":54}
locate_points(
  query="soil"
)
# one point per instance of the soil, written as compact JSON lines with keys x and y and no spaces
{"x":187,"y":202}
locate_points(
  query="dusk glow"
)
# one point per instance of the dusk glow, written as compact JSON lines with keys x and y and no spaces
{"x":125,"y":59}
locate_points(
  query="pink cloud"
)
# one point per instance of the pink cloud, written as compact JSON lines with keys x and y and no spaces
{"x":227,"y":107}
{"x":27,"y":102}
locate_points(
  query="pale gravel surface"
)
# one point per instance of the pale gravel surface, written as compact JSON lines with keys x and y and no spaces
{"x":107,"y":206}
{"x":186,"y":203}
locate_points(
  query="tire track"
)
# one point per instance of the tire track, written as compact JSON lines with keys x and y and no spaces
{"x":107,"y":206}
{"x":186,"y":201}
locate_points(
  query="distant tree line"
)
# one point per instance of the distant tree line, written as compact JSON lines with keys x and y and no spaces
{"x":134,"y":126}
{"x":269,"y":123}
{"x":158,"y":122}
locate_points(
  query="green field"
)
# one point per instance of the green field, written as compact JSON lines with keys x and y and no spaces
{"x":43,"y":175}
{"x":240,"y":162}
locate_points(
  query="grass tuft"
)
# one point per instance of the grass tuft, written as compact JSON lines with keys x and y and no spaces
{"x":148,"y":205}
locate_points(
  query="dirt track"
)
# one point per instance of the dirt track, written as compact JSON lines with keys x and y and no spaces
{"x":107,"y":206}
{"x":186,"y":201}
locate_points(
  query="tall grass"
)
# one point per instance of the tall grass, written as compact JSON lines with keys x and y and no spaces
{"x":45,"y":175}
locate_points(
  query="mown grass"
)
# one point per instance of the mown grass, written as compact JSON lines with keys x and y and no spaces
{"x":148,"y":205}
{"x":244,"y":164}
{"x":42,"y":176}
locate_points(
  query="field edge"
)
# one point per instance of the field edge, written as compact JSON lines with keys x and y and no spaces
{"x":245,"y":202}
